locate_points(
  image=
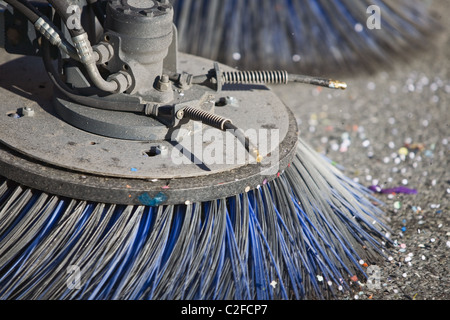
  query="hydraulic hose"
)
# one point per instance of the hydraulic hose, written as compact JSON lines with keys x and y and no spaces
{"x":119,"y":82}
{"x":51,"y":34}
{"x":98,"y":10}
{"x":93,"y":102}
{"x":44,"y":26}
{"x":61,"y":7}
{"x":26,"y":9}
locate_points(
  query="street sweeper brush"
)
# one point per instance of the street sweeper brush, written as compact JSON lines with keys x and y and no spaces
{"x":314,"y":36}
{"x":151,"y":174}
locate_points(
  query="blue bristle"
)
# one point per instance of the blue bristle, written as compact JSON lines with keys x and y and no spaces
{"x":270,"y":243}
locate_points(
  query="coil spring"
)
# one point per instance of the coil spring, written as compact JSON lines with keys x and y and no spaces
{"x":251,"y":77}
{"x":206,"y":117}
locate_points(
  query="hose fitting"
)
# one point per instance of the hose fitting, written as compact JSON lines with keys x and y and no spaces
{"x":84,"y":48}
{"x":44,"y":27}
{"x":116,"y":83}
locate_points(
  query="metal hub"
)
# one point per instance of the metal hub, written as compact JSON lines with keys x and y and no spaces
{"x":181,"y":165}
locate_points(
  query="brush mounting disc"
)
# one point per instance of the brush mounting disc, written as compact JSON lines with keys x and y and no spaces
{"x":42,"y":151}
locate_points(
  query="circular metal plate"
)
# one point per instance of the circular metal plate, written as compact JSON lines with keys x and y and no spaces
{"x":44,"y":152}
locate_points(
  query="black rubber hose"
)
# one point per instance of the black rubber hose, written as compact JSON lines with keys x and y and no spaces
{"x":61,"y":7}
{"x":26,"y":9}
{"x":98,"y":10}
{"x":93,"y":102}
{"x":241,"y":137}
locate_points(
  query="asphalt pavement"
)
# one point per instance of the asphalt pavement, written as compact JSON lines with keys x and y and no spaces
{"x":390,"y":131}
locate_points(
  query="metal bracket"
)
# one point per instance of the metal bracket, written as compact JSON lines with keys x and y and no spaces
{"x":172,"y":115}
{"x":218,"y":76}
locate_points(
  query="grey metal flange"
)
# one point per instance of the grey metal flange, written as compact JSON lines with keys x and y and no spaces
{"x":45,"y":152}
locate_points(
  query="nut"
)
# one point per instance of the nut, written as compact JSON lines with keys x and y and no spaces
{"x":105,"y":52}
{"x":164,"y":83}
{"x":164,"y":150}
{"x":147,"y":13}
{"x":28,"y":112}
{"x":231,"y":101}
{"x":180,"y":115}
{"x":164,"y":8}
{"x":123,"y":80}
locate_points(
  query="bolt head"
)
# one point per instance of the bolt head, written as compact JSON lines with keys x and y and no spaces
{"x":231,"y":101}
{"x":165,"y":78}
{"x":164,"y":150}
{"x":180,"y":114}
{"x":164,"y":8}
{"x":28,"y":112}
{"x":164,"y":83}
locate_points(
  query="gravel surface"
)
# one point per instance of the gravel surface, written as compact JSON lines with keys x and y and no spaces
{"x":391,"y":130}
